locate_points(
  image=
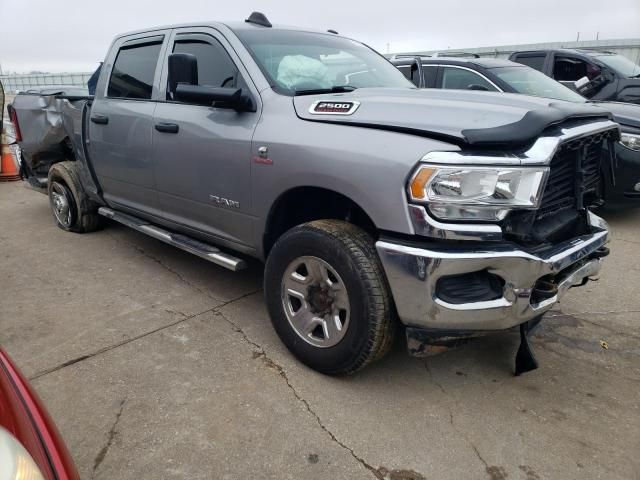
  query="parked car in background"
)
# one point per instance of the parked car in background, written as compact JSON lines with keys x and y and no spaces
{"x":368,"y":199}
{"x":622,"y":186}
{"x":595,"y":74}
{"x":30,"y":446}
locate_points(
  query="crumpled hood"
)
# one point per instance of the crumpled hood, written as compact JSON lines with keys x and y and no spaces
{"x":461,"y":117}
{"x":623,"y":113}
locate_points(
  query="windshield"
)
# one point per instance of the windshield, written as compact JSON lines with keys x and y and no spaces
{"x":532,"y":82}
{"x":620,"y":64}
{"x":295,"y":62}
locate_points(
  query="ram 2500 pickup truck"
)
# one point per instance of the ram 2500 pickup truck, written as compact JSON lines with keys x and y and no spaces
{"x":375,"y":205}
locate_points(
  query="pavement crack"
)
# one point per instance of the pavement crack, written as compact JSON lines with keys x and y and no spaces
{"x":155,"y":259}
{"x":460,"y":433}
{"x":142,"y":335}
{"x":610,"y":312}
{"x":110,"y":439}
{"x":627,"y":240}
{"x":611,"y":329}
{"x":260,"y":353}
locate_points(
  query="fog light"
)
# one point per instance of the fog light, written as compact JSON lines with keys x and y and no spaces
{"x":637,"y":187}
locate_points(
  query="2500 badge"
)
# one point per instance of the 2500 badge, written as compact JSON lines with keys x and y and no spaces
{"x":322,"y":107}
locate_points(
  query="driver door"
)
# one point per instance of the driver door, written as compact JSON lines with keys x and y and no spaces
{"x":202,"y":154}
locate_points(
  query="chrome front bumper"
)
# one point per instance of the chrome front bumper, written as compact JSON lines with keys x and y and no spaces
{"x":414,"y":272}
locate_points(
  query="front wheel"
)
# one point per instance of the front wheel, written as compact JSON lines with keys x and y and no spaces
{"x":328,"y":297}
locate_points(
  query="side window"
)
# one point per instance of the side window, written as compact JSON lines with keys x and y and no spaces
{"x":572,"y":69}
{"x":411,"y":72}
{"x":460,"y":79}
{"x":429,"y":72}
{"x":406,"y":70}
{"x":533,"y":61}
{"x":134,"y":70}
{"x":215,"y":66}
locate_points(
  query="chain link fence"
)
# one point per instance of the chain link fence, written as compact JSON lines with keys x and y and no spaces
{"x":21,"y":83}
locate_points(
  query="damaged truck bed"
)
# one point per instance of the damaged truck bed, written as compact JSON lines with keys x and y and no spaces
{"x":45,"y":136}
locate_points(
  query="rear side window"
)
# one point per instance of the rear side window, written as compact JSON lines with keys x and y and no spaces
{"x":460,"y":79}
{"x":134,"y":71}
{"x":215,"y":67}
{"x":533,"y":61}
{"x":429,"y":72}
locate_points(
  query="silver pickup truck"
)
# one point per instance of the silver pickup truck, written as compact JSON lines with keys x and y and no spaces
{"x":374,"y":204}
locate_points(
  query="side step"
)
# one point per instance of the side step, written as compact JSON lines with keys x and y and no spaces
{"x":188,"y":244}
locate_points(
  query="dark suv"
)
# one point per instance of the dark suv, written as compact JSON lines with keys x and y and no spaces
{"x":598,"y":75}
{"x":495,"y":75}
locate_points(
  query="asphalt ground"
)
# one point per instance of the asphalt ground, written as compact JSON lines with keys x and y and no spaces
{"x":158,"y":365}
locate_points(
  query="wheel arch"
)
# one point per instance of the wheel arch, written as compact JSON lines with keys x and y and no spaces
{"x":307,"y":203}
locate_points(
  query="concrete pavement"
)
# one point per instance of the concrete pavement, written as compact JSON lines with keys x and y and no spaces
{"x":156,"y":364}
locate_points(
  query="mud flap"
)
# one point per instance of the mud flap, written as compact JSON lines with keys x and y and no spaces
{"x":525,"y":359}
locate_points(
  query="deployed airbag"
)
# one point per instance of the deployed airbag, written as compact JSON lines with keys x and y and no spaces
{"x":296,"y":71}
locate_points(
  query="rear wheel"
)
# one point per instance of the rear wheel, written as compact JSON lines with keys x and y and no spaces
{"x":72,"y":210}
{"x":328,"y":297}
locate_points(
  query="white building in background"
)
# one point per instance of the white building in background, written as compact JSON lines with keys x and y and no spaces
{"x":23,"y":82}
{"x":629,"y":47}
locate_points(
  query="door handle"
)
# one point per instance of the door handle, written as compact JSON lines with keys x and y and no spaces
{"x":100,"y":119}
{"x":167,"y":127}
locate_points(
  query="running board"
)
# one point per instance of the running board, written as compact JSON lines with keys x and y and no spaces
{"x":188,"y":244}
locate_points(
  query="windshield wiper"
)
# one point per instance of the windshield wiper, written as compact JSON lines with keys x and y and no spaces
{"x":334,"y":89}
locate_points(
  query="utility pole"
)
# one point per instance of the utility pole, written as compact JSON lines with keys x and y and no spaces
{"x":578,"y":39}
{"x":598,"y":36}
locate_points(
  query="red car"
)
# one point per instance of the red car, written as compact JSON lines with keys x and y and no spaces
{"x":30,"y":446}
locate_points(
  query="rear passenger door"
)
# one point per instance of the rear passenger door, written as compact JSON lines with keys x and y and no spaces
{"x":121,"y":124}
{"x":203,"y":166}
{"x":429,"y":75}
{"x":461,"y":78}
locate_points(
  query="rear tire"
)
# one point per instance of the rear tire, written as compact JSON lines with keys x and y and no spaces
{"x":72,"y":210}
{"x":328,"y":297}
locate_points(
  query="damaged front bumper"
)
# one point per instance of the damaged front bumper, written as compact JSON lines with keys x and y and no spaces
{"x":528,"y":282}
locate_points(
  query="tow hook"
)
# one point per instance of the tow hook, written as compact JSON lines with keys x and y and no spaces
{"x":543,"y":290}
{"x":601,"y":252}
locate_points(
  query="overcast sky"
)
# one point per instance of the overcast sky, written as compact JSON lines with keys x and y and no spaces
{"x":73,"y":35}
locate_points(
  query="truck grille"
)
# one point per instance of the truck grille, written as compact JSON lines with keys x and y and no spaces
{"x":575,"y":173}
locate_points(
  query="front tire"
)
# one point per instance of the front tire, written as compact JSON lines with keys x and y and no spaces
{"x":328,"y":298}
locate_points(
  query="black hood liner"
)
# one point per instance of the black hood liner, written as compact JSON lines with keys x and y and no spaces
{"x":530,"y":127}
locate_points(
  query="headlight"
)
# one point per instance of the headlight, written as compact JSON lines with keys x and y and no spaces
{"x":477,"y":193}
{"x":631,"y":141}
{"x":15,"y":461}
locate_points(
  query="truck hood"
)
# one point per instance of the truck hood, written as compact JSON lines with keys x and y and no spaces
{"x":481,"y":119}
{"x":623,"y":113}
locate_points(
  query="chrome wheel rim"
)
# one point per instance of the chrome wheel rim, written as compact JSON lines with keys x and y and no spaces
{"x":315,"y":301}
{"x":60,"y":204}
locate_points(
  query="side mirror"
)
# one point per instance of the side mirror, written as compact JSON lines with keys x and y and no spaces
{"x":183,"y":68}
{"x":220,"y":96}
{"x":475,"y":86}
